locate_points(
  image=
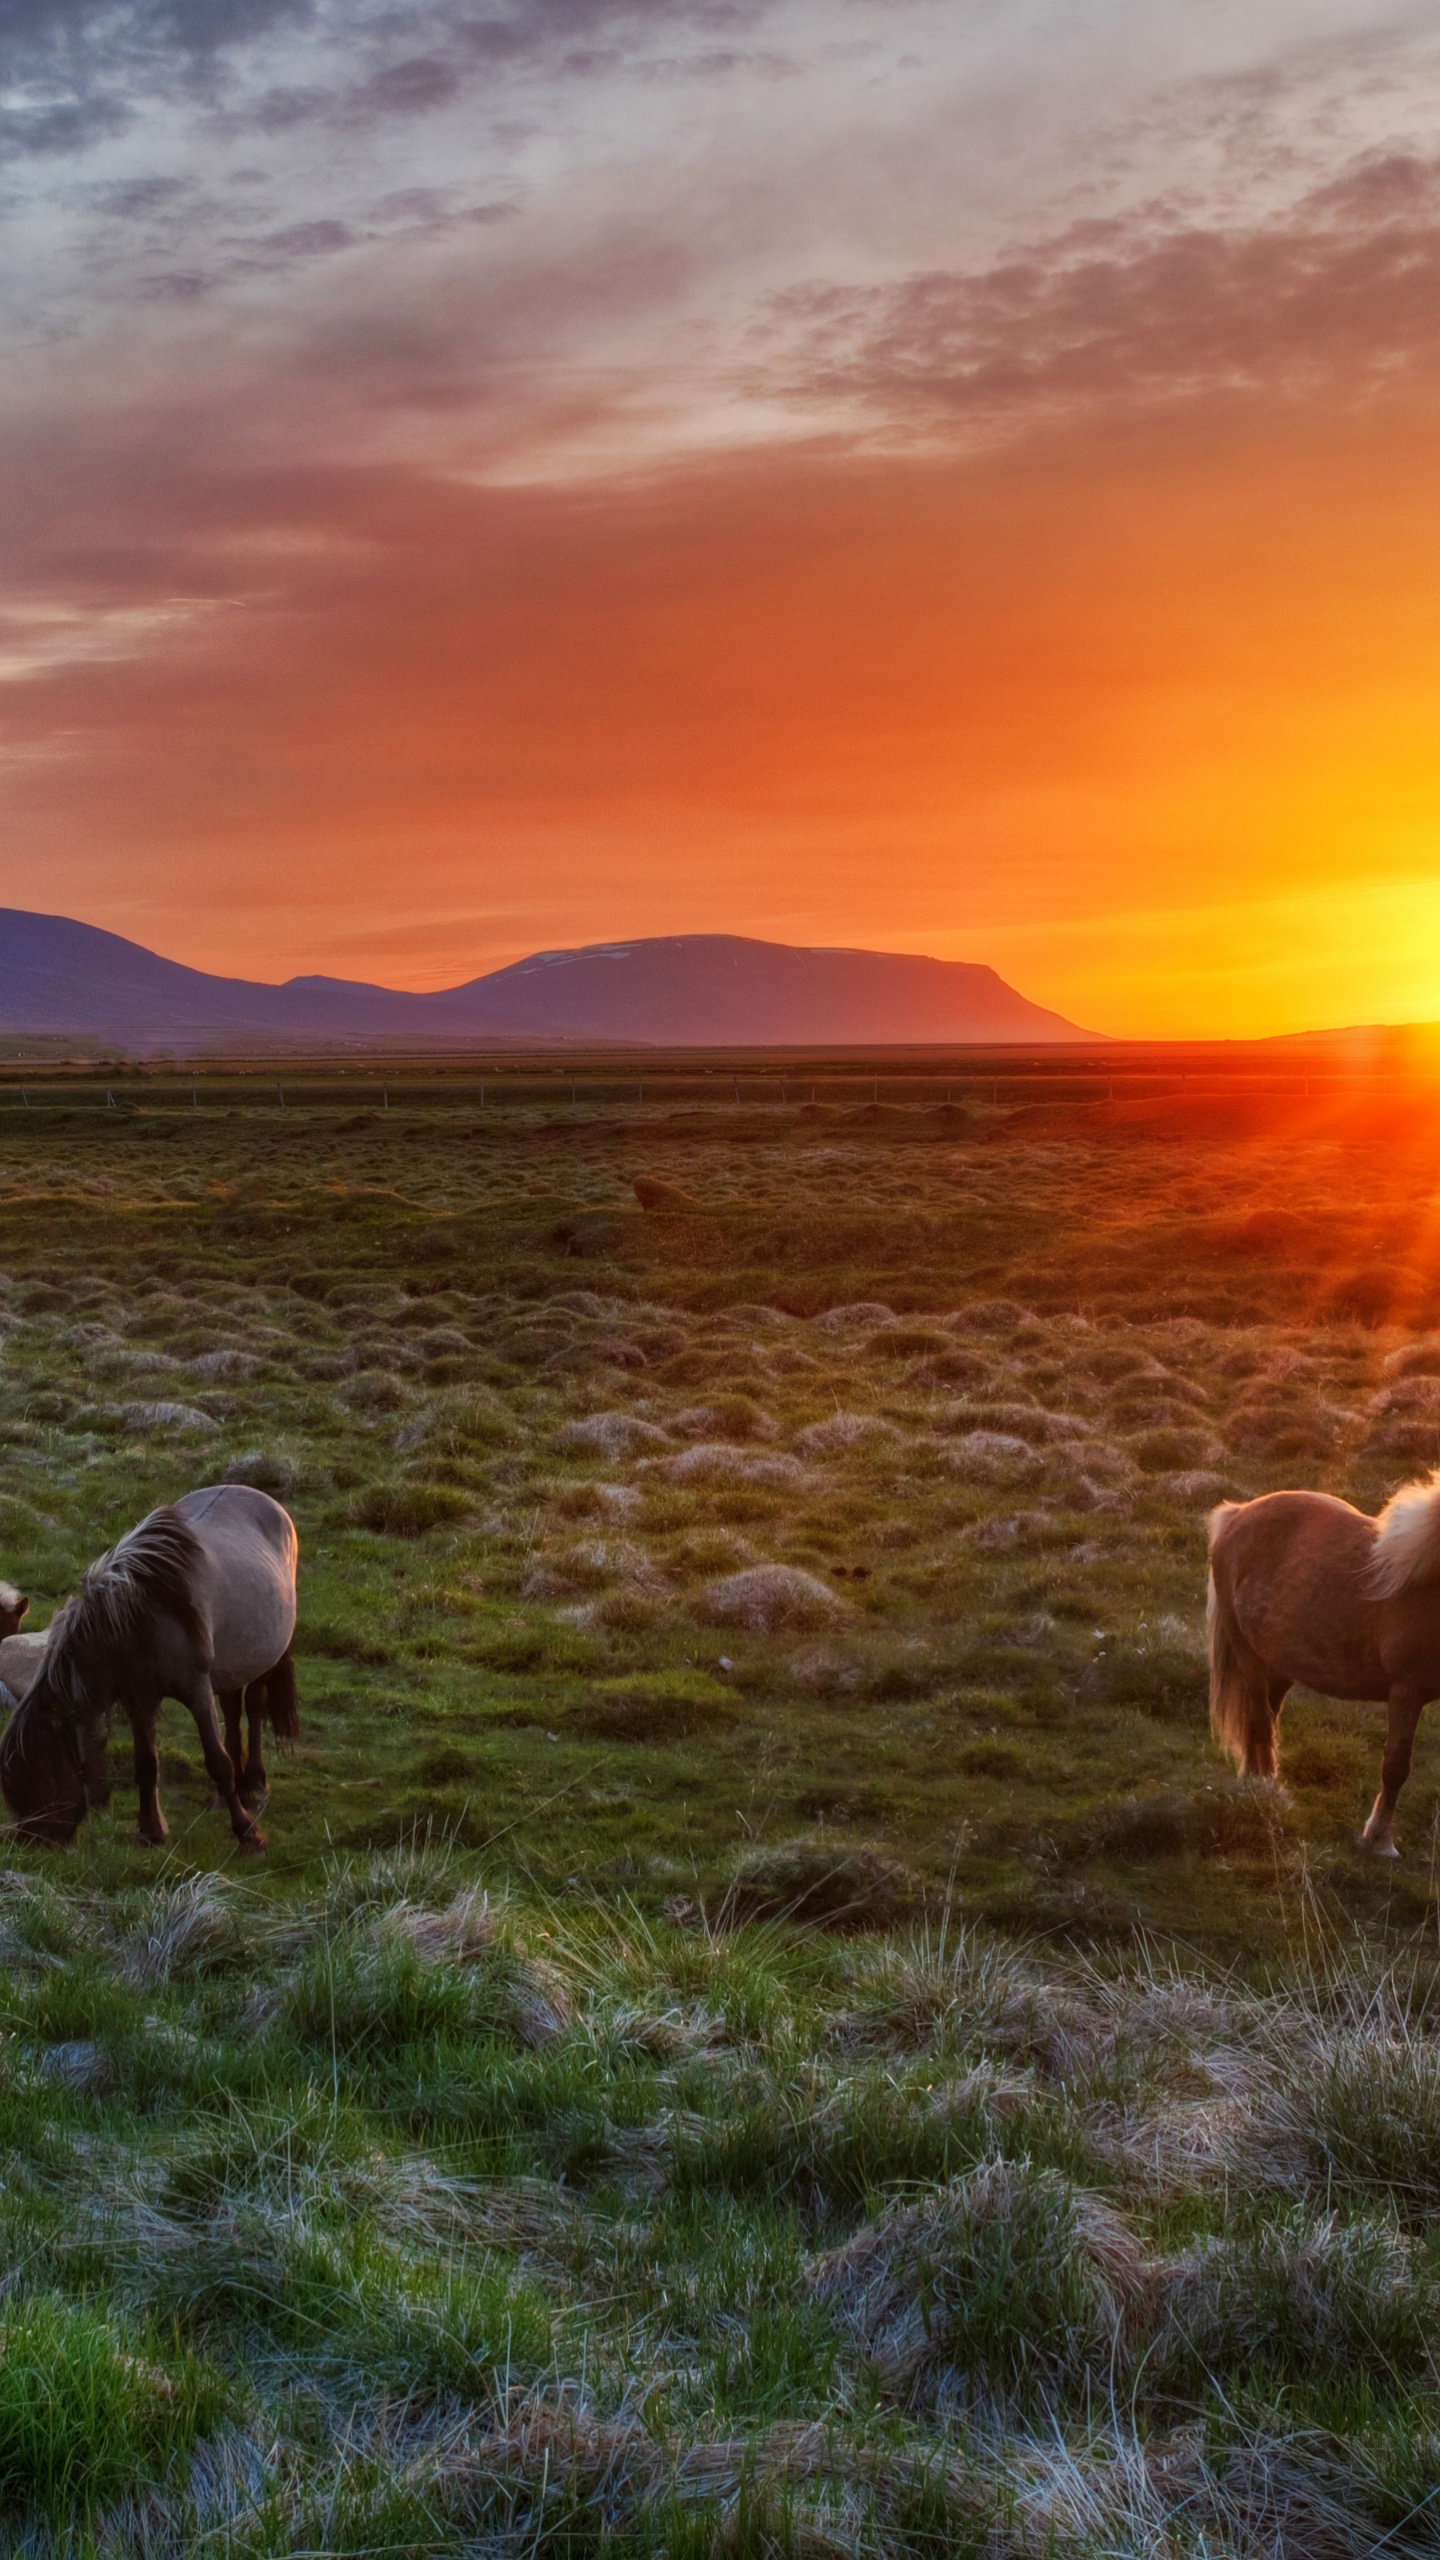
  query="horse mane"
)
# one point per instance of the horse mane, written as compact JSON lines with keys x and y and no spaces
{"x":1407,"y":1538}
{"x":151,"y":1572}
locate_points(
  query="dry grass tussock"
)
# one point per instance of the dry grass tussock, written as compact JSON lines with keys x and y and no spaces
{"x":464,"y":1932}
{"x":1010,"y":2281}
{"x":196,"y":1925}
{"x":818,"y":1883}
{"x":764,"y":1597}
{"x":721,"y":1462}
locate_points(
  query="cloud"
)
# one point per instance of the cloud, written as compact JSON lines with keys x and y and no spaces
{"x":88,"y":57}
{"x":69,"y":39}
{"x":409,"y":88}
{"x":52,"y":128}
{"x":38,"y":639}
{"x":307,"y":240}
{"x":136,"y":199}
{"x":1335,"y":298}
{"x":78,"y":68}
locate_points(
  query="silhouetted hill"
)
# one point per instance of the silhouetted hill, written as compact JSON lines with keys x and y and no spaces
{"x":698,"y":990}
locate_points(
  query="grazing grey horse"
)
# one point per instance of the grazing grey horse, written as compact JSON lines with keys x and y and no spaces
{"x":197,"y":1601}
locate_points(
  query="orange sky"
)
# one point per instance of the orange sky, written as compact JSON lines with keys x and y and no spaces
{"x":1041,"y":568}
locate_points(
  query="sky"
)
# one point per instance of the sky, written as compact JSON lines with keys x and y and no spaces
{"x":960,"y":476}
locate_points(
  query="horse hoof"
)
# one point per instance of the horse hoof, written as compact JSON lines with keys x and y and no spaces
{"x":1378,"y":1848}
{"x":151,"y":1839}
{"x":252,"y":1844}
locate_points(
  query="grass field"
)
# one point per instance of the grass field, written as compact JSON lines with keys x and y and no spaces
{"x":765,"y":2026}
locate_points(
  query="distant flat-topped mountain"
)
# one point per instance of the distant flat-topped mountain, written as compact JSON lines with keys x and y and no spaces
{"x":689,"y":990}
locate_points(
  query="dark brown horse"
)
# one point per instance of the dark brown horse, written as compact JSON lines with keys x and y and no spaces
{"x":1304,"y":1587}
{"x":198,"y":1600}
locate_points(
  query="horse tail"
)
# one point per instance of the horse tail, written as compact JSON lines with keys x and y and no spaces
{"x":1230,"y":1698}
{"x":280,"y":1709}
{"x":1241,"y":1716}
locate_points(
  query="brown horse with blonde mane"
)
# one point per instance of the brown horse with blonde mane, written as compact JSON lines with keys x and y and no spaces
{"x":1304,"y":1587}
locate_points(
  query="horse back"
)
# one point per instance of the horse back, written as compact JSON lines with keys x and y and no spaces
{"x":20,"y":1659}
{"x":1281,"y":1522}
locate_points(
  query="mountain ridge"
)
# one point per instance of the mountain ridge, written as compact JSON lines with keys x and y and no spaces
{"x":59,"y":977}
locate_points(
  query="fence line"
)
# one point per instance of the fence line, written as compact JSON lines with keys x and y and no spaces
{"x":728,"y":1093}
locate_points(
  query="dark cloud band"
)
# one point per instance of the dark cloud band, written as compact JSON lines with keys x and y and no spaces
{"x":81,"y":66}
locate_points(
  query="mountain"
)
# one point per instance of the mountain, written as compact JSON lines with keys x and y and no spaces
{"x":693,"y":990}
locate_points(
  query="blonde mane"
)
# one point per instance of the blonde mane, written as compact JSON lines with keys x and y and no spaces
{"x":1407,"y":1538}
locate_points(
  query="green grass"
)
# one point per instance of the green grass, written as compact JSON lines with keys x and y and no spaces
{"x":90,"y":2408}
{"x":387,"y":2209}
{"x":712,"y":2067}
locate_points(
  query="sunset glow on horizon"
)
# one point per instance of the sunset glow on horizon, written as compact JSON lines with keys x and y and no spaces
{"x":481,"y":479}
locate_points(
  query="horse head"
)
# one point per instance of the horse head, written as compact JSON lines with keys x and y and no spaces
{"x":53,"y":1743}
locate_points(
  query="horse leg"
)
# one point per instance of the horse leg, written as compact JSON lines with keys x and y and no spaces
{"x":230,"y":1703}
{"x":99,"y":1785}
{"x":1277,"y":1690}
{"x":1406,"y":1708}
{"x":255,"y":1785}
{"x":201,"y":1703}
{"x":153,"y":1827}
